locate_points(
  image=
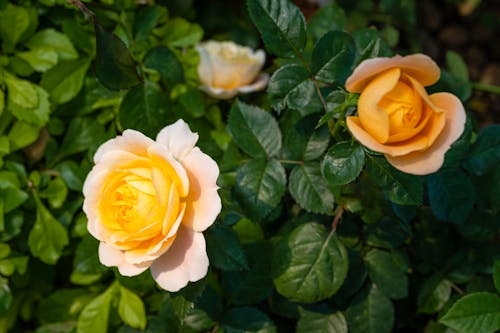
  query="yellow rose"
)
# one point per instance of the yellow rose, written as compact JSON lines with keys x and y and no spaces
{"x":226,"y":69}
{"x":147,"y":202}
{"x":397,"y":117}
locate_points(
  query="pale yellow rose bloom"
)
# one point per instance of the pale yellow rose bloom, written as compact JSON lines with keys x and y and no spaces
{"x":227,"y":69}
{"x":397,"y":117}
{"x":147,"y":202}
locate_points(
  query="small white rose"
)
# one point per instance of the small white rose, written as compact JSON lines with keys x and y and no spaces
{"x":227,"y":69}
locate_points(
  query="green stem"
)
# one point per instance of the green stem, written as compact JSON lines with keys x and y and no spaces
{"x":291,"y":162}
{"x":486,"y":87}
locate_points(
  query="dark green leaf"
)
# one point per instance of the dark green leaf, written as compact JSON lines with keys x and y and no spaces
{"x":281,"y":25}
{"x":433,"y":294}
{"x":166,"y":63}
{"x":401,"y":188}
{"x":333,"y":56}
{"x":82,"y":134}
{"x":309,"y":189}
{"x":65,"y":80}
{"x":478,"y":313}
{"x":63,"y":305}
{"x":14,"y":21}
{"x":255,"y":131}
{"x":131,"y":309}
{"x":72,"y":175}
{"x":388,"y":233}
{"x":247,"y":320}
{"x":315,"y":322}
{"x":457,"y":66}
{"x":387,"y":273}
{"x":224,"y":249}
{"x":145,"y":108}
{"x":115,"y":67}
{"x":5,"y":295}
{"x":48,"y":237}
{"x":370,"y":45}
{"x":496,"y":275}
{"x":260,"y":185}
{"x":191,"y":317}
{"x":145,"y":21}
{"x":343,"y":163}
{"x":451,"y":195}
{"x":484,"y":154}
{"x":87,"y":268}
{"x":310,"y":264}
{"x":370,"y":312}
{"x":331,"y":17}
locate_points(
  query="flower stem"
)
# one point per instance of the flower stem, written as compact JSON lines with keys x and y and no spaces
{"x":486,"y":87}
{"x":83,"y":8}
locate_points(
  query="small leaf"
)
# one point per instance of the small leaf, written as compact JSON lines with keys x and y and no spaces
{"x":164,"y":60}
{"x":260,"y":185}
{"x":5,"y":296}
{"x":145,"y":108}
{"x":310,"y":264}
{"x":37,"y":116}
{"x":309,"y":189}
{"x":55,"y":40}
{"x":145,"y":21}
{"x":387,"y":273}
{"x":333,"y":57}
{"x":331,"y":17}
{"x":370,"y":312}
{"x":14,"y":21}
{"x":343,"y":163}
{"x":433,"y":294}
{"x":247,"y":320}
{"x":131,"y":309}
{"x":87,"y":268}
{"x":315,"y":322}
{"x":484,"y":154}
{"x":41,"y":59}
{"x":254,"y":130}
{"x":401,"y":188}
{"x":82,"y":134}
{"x":457,"y":66}
{"x":20,"y":92}
{"x":477,"y":312}
{"x":281,"y":25}
{"x":451,"y":195}
{"x":370,"y":44}
{"x":48,"y":237}
{"x":180,"y":33}
{"x":94,"y":317}
{"x":224,"y":249}
{"x":115,"y":67}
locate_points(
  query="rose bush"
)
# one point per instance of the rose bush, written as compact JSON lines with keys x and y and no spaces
{"x":227,"y":69}
{"x":397,"y":117}
{"x":147,"y":202}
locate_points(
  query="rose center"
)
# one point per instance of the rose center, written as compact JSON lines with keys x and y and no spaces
{"x":403,"y":106}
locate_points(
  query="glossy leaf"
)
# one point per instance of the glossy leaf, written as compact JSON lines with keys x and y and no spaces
{"x":387,"y":273}
{"x":433,"y":294}
{"x":315,"y":322}
{"x":54,"y":40}
{"x":330,"y":17}
{"x":310,"y":264}
{"x":224,"y":249}
{"x":484,"y":154}
{"x":309,"y":189}
{"x":131,"y":309}
{"x":64,"y":81}
{"x":246,"y":320}
{"x":164,"y":60}
{"x":94,"y":317}
{"x":343,"y":163}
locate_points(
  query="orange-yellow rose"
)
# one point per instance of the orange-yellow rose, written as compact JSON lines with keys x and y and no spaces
{"x":397,"y":117}
{"x":227,"y":69}
{"x":147,"y":202}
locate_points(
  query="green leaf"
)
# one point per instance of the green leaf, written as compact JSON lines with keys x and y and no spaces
{"x":370,"y":44}
{"x":477,"y":312}
{"x":433,"y":295}
{"x":22,"y":134}
{"x":94,"y":317}
{"x":192,"y":318}
{"x":388,"y":233}
{"x":310,"y":264}
{"x":457,"y":66}
{"x":260,"y":185}
{"x":82,"y":134}
{"x":387,"y":273}
{"x":246,"y":320}
{"x":400,"y":188}
{"x":292,"y":86}
{"x":63,"y":305}
{"x":254,"y":130}
{"x":166,"y":63}
{"x":72,"y":175}
{"x":145,"y":21}
{"x":55,"y":40}
{"x":224,"y":249}
{"x":370,"y":312}
{"x":20,"y":93}
{"x":281,"y":25}
{"x":145,"y":108}
{"x":87,"y":268}
{"x":10,"y":193}
{"x":48,"y":237}
{"x":131,"y":309}
{"x":180,"y":33}
{"x":65,"y":80}
{"x":315,"y":322}
{"x":496,"y":274}
{"x":254,"y":284}
{"x":331,"y":17}
{"x":484,"y":154}
{"x":115,"y":68}
{"x":343,"y":163}
{"x":303,"y":141}
{"x":14,"y":21}
{"x":5,"y":295}
{"x":37,"y":116}
{"x":41,"y":58}
{"x":333,"y":56}
{"x":309,"y":189}
{"x":55,"y":192}
{"x":451,"y":195}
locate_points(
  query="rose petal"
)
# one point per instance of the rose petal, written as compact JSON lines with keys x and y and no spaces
{"x":110,"y":256}
{"x":430,"y":160}
{"x":185,"y":261}
{"x":373,"y":118}
{"x":221,"y":93}
{"x":178,"y":138}
{"x":127,"y":269}
{"x":205,"y":66}
{"x":131,"y":141}
{"x":419,"y":66}
{"x":163,"y":159}
{"x":203,"y":201}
